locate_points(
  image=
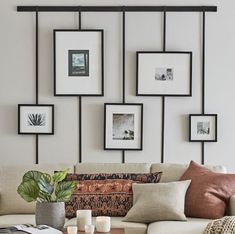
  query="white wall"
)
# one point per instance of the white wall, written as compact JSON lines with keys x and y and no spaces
{"x":17,"y":77}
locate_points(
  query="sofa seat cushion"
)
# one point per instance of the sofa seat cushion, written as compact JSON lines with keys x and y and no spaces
{"x":192,"y":226}
{"x":9,"y":220}
{"x":116,"y":222}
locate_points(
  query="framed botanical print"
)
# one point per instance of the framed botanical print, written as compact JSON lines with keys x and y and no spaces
{"x":78,"y":63}
{"x":123,"y":126}
{"x":203,"y":128}
{"x":164,"y":73}
{"x":36,"y":119}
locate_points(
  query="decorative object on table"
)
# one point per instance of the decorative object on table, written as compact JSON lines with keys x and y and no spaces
{"x":203,"y":128}
{"x":89,"y":229}
{"x":50,"y":193}
{"x":83,"y":218}
{"x":35,"y":119}
{"x":209,"y":189}
{"x":78,"y":63}
{"x":105,"y":194}
{"x":72,"y":230}
{"x":123,"y":126}
{"x":156,"y":203}
{"x":30,"y":229}
{"x":103,"y":224}
{"x":164,"y":73}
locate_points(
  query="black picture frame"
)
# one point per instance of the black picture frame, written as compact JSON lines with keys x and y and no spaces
{"x":214,"y":139}
{"x":101,"y":93}
{"x":21,"y":132}
{"x":189,"y":94}
{"x":140,"y":143}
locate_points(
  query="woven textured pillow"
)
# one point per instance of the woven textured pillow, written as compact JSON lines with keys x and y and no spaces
{"x":209,"y":192}
{"x":141,"y":177}
{"x":89,"y":193}
{"x":103,"y":197}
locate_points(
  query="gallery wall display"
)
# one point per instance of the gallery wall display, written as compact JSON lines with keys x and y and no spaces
{"x":78,"y":62}
{"x":36,"y":119}
{"x":203,"y":128}
{"x":164,"y":73}
{"x":123,"y":126}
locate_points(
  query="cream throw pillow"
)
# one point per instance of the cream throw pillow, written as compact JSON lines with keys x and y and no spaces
{"x":155,"y":202}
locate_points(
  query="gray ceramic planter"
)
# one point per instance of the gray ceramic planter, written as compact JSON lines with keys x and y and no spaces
{"x":51,"y":214}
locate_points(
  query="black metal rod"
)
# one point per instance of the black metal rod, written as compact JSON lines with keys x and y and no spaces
{"x":80,"y":97}
{"x":123,"y":66}
{"x":163,"y":97}
{"x":118,"y":8}
{"x":36,"y":81}
{"x":203,"y":63}
{"x":203,"y":76}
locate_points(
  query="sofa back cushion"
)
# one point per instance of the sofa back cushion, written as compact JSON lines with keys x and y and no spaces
{"x":11,"y":177}
{"x":173,"y":172}
{"x":91,"y":168}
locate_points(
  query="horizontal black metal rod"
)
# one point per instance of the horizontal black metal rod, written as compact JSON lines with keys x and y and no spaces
{"x":117,"y":8}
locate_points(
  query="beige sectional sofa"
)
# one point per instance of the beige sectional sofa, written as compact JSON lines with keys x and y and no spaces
{"x":14,"y":210}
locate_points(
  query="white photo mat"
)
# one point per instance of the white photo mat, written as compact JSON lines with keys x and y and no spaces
{"x":65,"y":41}
{"x":130,"y":110}
{"x":152,"y":63}
{"x":203,"y":128}
{"x":46,"y":112}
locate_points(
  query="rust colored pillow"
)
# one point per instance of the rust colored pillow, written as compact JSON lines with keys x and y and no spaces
{"x":103,"y":197}
{"x":209,"y":192}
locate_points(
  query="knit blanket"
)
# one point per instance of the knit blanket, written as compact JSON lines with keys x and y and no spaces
{"x":225,"y":225}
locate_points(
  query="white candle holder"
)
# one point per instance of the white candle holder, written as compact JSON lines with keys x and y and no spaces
{"x":83,"y":218}
{"x":89,"y":229}
{"x":72,"y":229}
{"x":103,"y":224}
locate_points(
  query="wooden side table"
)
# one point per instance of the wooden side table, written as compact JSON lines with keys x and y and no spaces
{"x":113,"y":231}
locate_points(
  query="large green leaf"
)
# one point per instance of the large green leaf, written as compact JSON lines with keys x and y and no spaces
{"x":46,"y":177}
{"x":28,"y":190}
{"x":45,"y":187}
{"x":32,"y":175}
{"x":64,"y":190}
{"x":59,"y":176}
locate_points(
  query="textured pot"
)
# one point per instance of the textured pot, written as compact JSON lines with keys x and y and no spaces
{"x":51,"y":214}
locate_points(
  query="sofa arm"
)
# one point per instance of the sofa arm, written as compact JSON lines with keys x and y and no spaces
{"x":232,"y":205}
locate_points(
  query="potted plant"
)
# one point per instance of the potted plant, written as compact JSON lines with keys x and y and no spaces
{"x":49,"y":193}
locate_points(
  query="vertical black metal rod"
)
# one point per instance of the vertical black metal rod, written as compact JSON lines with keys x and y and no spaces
{"x":203,"y":75}
{"x":80,"y":97}
{"x":36,"y":83}
{"x":123,"y":66}
{"x":163,"y":97}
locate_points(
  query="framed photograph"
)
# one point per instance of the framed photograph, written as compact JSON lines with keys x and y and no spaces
{"x":35,"y":119}
{"x":78,"y":63}
{"x":164,"y":73}
{"x":123,"y":126}
{"x":203,"y":128}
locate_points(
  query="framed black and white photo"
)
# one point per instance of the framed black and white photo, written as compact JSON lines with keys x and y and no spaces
{"x":35,"y":119}
{"x":123,"y":126}
{"x":164,"y":73}
{"x":78,"y":63}
{"x":203,"y":128}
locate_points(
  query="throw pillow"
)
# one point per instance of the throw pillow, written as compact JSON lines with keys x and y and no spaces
{"x":103,"y":197}
{"x":142,"y":177}
{"x":155,"y":202}
{"x":209,"y":192}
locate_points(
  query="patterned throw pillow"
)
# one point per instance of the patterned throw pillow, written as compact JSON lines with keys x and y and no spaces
{"x":141,"y":177}
{"x":106,"y":194}
{"x":103,"y":197}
